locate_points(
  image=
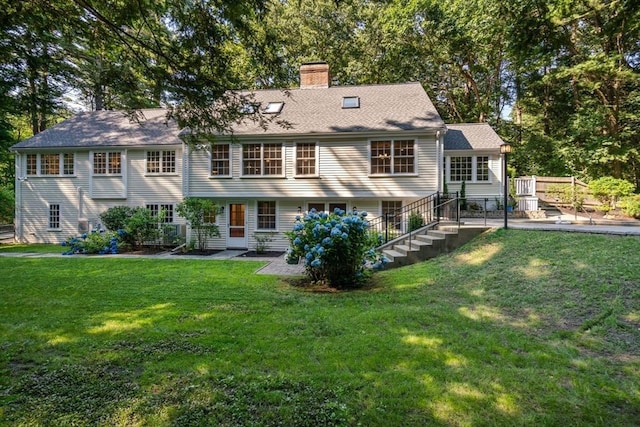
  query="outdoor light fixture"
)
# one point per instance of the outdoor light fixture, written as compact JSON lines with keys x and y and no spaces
{"x":299,"y":209}
{"x":355,"y":209}
{"x":505,"y":149}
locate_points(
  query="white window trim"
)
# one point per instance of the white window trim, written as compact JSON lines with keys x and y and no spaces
{"x":60,"y":173}
{"x":262,"y":174}
{"x":146,"y":162}
{"x":123,"y":161}
{"x":49,"y":228}
{"x":159,"y":205}
{"x":474,"y":169}
{"x":415,"y":158}
{"x":317,"y":159}
{"x":210,"y":154}
{"x":277,"y":219}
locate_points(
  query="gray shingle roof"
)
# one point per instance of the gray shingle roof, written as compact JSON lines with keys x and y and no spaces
{"x":471,"y":136}
{"x":394,"y":107}
{"x":390,"y":107}
{"x":106,"y":129}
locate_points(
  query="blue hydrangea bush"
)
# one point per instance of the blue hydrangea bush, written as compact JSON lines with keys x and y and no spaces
{"x":96,"y":242}
{"x":337,"y":248}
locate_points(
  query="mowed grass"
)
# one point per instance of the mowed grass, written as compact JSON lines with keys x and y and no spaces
{"x":32,"y":248}
{"x":516,"y":328}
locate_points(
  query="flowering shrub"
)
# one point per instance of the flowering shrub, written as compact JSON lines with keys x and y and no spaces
{"x":96,"y":242}
{"x":335,"y":248}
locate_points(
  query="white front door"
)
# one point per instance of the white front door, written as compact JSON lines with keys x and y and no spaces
{"x":237,"y":232}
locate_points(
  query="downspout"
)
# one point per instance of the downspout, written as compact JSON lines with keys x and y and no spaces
{"x":18,"y":205}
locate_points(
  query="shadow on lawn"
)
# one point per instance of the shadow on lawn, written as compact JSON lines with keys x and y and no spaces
{"x":508,"y":344}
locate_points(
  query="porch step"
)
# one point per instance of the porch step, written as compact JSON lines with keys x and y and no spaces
{"x":429,"y":243}
{"x":393,"y":254}
{"x":405,"y":249}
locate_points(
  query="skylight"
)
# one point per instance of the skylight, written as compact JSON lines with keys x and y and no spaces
{"x":350,"y":102}
{"x":273,"y":107}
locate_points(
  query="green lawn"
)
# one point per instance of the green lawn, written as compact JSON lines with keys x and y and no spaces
{"x":516,"y":328}
{"x":39,"y":248}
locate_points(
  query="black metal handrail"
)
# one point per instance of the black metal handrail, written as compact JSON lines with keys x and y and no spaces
{"x":415,"y":215}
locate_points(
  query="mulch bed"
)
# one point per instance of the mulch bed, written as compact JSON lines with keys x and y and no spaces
{"x":254,"y":254}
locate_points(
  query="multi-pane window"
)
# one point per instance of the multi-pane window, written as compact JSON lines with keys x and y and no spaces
{"x":165,"y":208}
{"x":54,"y":216}
{"x":209,"y":216}
{"x":266,"y":215}
{"x":380,"y":157}
{"x":334,"y":206}
{"x":306,"y":159}
{"x":403,"y":157}
{"x":220,"y":158}
{"x":50,"y":164}
{"x":482,"y":168}
{"x":393,"y":157}
{"x":32,"y":164}
{"x":161,"y":161}
{"x":99,"y":163}
{"x":68,"y":162}
{"x":107,"y":163}
{"x":262,"y":159}
{"x":461,"y":169}
{"x":319,"y":207}
{"x":469,"y":169}
{"x":114,"y":163}
{"x":391,"y":210}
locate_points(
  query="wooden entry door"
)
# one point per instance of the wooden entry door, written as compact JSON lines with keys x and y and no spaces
{"x":237,"y":232}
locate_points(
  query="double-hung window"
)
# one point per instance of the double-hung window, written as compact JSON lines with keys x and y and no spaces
{"x":107,"y":163}
{"x":393,"y":157}
{"x":162,"y":161}
{"x":306,"y":159}
{"x":469,"y":169}
{"x":165,"y":208}
{"x":54,"y":216}
{"x":266,"y":215}
{"x":220,"y":160}
{"x":262,"y":160}
{"x":391,"y":210}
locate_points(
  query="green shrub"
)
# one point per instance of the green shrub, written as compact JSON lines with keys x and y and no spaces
{"x":199,"y":214}
{"x":416,"y":221}
{"x":95,"y":242}
{"x":631,"y":205}
{"x":335,"y":247}
{"x":262,"y":241}
{"x":116,"y":218}
{"x":143,"y":226}
{"x":567,"y":194}
{"x":609,"y":190}
{"x":7,"y":205}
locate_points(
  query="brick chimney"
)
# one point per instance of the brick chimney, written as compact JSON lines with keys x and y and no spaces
{"x":314,"y":75}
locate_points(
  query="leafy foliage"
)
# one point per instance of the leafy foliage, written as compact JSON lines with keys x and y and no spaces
{"x":7,"y":205}
{"x":96,"y":242}
{"x":116,"y":218}
{"x":631,"y":205}
{"x":196,"y":211}
{"x":335,"y":247}
{"x":567,"y":194}
{"x":609,"y":190}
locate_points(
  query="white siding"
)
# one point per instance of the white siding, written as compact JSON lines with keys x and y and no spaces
{"x":84,"y":196}
{"x":343,"y":173}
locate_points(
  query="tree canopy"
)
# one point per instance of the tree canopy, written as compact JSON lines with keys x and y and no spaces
{"x":559,"y":79}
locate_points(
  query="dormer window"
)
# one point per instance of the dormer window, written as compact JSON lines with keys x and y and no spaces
{"x":351,"y":102}
{"x":273,"y":108}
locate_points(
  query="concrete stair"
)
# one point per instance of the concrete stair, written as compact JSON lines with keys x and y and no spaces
{"x":427,"y":243}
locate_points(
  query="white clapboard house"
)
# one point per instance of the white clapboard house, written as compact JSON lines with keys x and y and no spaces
{"x":372,"y":147}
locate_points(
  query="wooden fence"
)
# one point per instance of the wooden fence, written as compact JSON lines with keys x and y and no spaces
{"x":537,"y":186}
